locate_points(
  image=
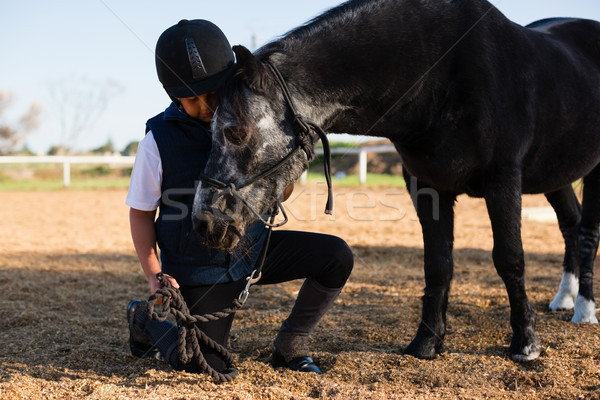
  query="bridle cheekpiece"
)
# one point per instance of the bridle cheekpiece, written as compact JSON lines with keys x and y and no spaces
{"x":304,"y":141}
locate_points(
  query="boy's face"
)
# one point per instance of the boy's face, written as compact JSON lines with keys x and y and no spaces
{"x":201,"y":107}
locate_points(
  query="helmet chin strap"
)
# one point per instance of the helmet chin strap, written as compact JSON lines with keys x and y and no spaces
{"x":176,"y":101}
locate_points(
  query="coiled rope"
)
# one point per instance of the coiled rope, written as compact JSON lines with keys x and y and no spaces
{"x":171,"y":301}
{"x":190,"y":335}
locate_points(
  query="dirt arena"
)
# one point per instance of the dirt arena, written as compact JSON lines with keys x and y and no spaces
{"x":68,"y":270}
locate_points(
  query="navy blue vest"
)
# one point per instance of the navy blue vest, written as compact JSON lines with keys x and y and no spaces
{"x":184,"y":145}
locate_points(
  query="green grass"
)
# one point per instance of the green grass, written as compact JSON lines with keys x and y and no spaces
{"x":112,"y":182}
{"x":56,"y":184}
{"x":123,"y":182}
{"x":353,"y":180}
{"x":50,"y":177}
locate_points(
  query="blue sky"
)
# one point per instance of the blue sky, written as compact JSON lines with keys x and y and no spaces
{"x":61,"y":44}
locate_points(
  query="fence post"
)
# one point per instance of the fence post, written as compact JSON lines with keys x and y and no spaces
{"x":67,"y":172}
{"x":303,"y":177}
{"x":362,"y":167}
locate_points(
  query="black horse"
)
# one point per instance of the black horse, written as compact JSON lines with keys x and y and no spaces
{"x":474,"y":104}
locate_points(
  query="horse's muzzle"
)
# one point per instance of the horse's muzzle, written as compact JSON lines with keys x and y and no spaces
{"x":216,"y":232}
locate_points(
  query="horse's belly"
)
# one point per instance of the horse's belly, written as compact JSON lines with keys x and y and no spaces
{"x":458,"y":176}
{"x":446,"y":174}
{"x":554,"y":177}
{"x":560,"y":162}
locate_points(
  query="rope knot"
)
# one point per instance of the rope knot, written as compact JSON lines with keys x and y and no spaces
{"x":304,"y":141}
{"x":300,"y":126}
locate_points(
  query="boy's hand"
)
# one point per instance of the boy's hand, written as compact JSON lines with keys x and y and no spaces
{"x":155,"y":284}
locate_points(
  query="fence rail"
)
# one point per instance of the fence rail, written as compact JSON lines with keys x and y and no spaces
{"x":66,"y":161}
{"x":362,"y":153}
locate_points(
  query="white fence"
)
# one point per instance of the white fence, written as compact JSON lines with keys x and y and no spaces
{"x":362,"y":157}
{"x":66,"y":161}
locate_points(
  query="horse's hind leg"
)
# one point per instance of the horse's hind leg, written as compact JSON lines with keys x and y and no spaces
{"x":585,"y":306}
{"x":568,"y":210}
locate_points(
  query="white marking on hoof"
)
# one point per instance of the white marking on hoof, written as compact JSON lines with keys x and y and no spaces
{"x":585,"y":311}
{"x":567,"y":291}
{"x":531,"y":355}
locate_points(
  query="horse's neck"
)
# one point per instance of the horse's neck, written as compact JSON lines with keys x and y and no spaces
{"x":370,"y":56}
{"x":312,"y":100}
{"x":341,"y":62}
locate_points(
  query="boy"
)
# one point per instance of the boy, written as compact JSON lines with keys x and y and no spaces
{"x":193,"y":60}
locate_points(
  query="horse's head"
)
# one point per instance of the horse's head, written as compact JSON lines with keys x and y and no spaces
{"x":254,"y":154}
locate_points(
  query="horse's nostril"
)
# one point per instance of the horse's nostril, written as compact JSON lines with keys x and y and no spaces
{"x":200,"y":221}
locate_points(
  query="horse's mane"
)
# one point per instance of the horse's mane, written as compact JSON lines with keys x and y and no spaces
{"x":321,"y":22}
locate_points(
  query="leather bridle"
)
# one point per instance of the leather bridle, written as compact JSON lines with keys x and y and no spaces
{"x":304,"y":141}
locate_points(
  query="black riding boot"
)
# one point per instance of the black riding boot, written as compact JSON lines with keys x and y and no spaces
{"x":149,"y":338}
{"x":290,"y":348}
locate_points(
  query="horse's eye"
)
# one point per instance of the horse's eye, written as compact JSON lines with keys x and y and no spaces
{"x":235,"y":136}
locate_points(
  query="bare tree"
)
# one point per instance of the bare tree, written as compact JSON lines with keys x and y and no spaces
{"x":13,"y":134}
{"x":79,"y":104}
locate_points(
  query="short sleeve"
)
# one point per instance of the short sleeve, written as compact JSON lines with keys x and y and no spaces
{"x":146,"y":177}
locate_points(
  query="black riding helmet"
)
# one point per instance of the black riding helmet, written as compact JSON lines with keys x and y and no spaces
{"x":192,"y":58}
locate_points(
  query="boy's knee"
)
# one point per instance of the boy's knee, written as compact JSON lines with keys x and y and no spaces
{"x":342,"y":261}
{"x":346,"y":256}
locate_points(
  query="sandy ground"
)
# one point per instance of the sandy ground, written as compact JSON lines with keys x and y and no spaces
{"x":68,"y":270}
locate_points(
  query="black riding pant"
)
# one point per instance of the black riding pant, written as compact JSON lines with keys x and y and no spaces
{"x":291,"y":255}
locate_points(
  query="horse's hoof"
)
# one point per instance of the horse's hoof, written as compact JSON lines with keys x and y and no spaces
{"x":531,"y":355}
{"x":424,"y":349}
{"x":585,"y":311}
{"x":567,"y":292}
{"x":562,"y":303}
{"x":525,"y":348}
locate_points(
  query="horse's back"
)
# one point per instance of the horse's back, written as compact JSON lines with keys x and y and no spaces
{"x":543,"y":24}
{"x":578,"y":33}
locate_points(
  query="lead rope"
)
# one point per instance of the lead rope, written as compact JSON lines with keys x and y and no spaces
{"x":191,"y":336}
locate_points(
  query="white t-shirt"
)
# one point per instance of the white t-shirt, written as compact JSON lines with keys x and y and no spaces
{"x":146,"y":177}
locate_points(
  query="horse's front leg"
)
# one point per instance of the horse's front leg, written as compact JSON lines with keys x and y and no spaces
{"x":503,"y":200}
{"x":436,"y":214}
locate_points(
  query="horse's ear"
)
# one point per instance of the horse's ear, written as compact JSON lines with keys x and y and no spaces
{"x":251,"y":69}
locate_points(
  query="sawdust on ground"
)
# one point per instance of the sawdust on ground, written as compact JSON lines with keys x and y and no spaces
{"x":68,"y":270}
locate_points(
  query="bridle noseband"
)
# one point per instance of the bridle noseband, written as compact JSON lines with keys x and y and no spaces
{"x":304,"y":141}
